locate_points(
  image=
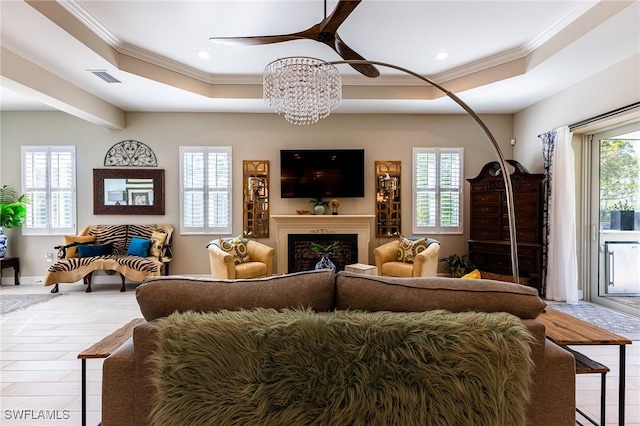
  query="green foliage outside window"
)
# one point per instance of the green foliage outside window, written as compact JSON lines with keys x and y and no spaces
{"x":619,"y":176}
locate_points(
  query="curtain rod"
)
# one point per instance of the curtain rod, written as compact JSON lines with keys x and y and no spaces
{"x":604,"y":115}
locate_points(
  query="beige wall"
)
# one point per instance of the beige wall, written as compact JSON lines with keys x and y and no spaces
{"x":253,"y":137}
{"x":612,"y":88}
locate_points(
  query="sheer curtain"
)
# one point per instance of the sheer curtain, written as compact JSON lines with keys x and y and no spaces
{"x":560,"y":261}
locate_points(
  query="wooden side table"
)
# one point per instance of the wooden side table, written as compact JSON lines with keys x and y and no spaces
{"x":103,"y":349}
{"x":12,"y":262}
{"x":585,"y":365}
{"x":563,"y":329}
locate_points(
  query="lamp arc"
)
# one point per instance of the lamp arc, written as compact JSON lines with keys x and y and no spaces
{"x":485,"y":129}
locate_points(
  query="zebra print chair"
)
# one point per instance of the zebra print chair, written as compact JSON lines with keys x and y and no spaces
{"x":73,"y":265}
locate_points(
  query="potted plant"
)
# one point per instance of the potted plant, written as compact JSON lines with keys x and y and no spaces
{"x":325,"y":251}
{"x":320,"y":206}
{"x":13,"y":212}
{"x":457,"y":265}
{"x":622,"y":216}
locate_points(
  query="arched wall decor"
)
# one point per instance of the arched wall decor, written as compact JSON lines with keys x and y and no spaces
{"x":130,"y":153}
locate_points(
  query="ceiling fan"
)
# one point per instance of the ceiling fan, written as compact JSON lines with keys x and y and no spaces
{"x":326,"y":31}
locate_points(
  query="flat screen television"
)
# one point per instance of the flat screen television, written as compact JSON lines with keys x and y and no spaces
{"x":325,"y":173}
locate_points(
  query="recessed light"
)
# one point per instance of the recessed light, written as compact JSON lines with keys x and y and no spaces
{"x":203,"y":54}
{"x":442,"y":55}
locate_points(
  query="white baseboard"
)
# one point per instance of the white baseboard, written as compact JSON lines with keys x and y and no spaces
{"x":9,"y":280}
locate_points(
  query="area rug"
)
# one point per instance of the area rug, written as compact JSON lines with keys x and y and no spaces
{"x":16,"y":302}
{"x":615,"y":322}
{"x":264,"y":367}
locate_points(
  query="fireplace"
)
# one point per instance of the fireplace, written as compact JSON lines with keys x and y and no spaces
{"x":303,"y":258}
{"x":322,"y":228}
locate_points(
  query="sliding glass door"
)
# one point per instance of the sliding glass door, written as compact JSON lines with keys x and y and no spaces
{"x":615,"y":219}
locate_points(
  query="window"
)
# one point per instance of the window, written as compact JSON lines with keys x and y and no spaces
{"x":437,"y":190}
{"x":205,"y":182}
{"x":49,"y":178}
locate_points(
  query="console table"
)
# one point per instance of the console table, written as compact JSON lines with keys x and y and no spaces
{"x":564,"y":330}
{"x":11,"y":262}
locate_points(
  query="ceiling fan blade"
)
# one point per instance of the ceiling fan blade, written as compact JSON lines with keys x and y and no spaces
{"x":257,"y":40}
{"x":343,"y":9}
{"x":348,"y":53}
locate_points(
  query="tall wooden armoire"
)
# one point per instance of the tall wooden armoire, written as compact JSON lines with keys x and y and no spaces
{"x":489,"y":247}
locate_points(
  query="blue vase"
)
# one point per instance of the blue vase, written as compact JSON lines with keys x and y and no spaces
{"x":3,"y":244}
{"x":325,"y":263}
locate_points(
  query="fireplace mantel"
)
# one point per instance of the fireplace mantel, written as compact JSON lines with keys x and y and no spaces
{"x":321,"y":224}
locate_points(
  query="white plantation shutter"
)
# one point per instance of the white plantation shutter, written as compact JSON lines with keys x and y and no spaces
{"x":205,"y":176}
{"x":437,"y":190}
{"x":49,"y":178}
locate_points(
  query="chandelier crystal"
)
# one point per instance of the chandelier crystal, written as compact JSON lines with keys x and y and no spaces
{"x":303,"y":89}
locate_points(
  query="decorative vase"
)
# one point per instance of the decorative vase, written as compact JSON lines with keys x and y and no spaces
{"x":325,"y":263}
{"x":319,"y":209}
{"x":3,"y":243}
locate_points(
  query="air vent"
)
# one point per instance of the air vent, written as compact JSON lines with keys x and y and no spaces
{"x":105,"y":76}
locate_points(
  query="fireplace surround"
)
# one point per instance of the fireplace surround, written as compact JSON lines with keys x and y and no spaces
{"x":326,"y":225}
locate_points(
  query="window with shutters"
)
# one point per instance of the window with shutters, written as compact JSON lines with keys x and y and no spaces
{"x":437,"y":190}
{"x":49,"y":178}
{"x":205,"y":182}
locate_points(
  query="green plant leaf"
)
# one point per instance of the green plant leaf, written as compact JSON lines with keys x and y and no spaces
{"x":317,"y":248}
{"x":13,"y":209}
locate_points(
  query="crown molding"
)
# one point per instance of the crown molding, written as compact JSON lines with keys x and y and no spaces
{"x":561,"y":22}
{"x":570,"y":15}
{"x":501,"y":58}
{"x":82,"y":15}
{"x":161,"y":61}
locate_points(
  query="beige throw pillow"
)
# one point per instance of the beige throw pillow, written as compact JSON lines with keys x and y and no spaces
{"x":158,"y":239}
{"x":237,"y":248}
{"x":409,"y":249}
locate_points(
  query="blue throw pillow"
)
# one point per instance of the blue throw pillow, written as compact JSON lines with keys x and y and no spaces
{"x":91,"y":250}
{"x":139,"y":247}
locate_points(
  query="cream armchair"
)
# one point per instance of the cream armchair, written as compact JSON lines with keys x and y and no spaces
{"x":223,"y":265}
{"x":425,"y":263}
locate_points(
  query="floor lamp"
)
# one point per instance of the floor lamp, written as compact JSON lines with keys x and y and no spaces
{"x":307,"y":89}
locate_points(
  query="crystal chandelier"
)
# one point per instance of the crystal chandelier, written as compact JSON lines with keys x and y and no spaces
{"x":303,"y":89}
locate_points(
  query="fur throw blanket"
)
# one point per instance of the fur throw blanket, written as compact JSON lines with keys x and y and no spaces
{"x":298,"y":367}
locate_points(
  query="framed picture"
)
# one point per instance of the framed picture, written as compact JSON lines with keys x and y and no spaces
{"x":148,"y":183}
{"x":140,"y":197}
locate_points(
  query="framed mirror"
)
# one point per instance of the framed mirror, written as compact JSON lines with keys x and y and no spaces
{"x":128,"y":191}
{"x":388,"y":206}
{"x":255,"y":205}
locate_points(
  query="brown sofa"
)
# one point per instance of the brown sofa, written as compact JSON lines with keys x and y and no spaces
{"x":128,"y":391}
